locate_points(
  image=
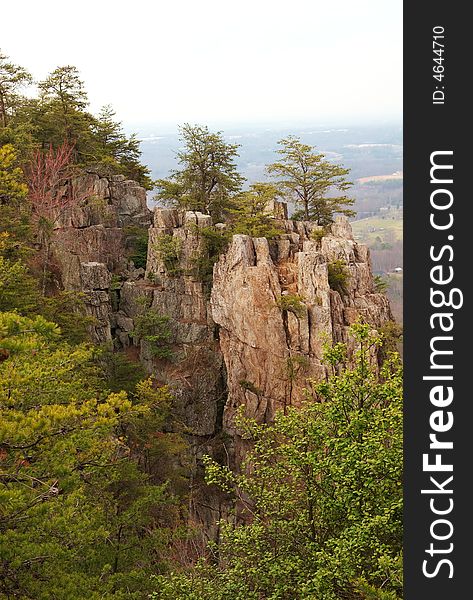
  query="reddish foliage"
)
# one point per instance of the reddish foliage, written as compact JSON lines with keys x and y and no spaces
{"x":49,"y":176}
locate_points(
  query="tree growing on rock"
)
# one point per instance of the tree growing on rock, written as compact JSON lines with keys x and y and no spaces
{"x":208,"y":177}
{"x":310,"y":179}
{"x":50,"y":192}
{"x":252,"y":212}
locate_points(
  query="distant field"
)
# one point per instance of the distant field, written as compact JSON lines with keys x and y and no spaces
{"x":383,"y":234}
{"x":381,"y":178}
{"x":385,"y":227}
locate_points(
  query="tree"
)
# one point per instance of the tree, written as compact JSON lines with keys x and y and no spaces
{"x":308,"y":177}
{"x":51,"y":193}
{"x":116,"y":150}
{"x":14,"y":212}
{"x":208,"y":178}
{"x":252,"y":213}
{"x":80,"y":517}
{"x":12,"y":79}
{"x":154,"y":328}
{"x":13,"y":188}
{"x":318,"y":501}
{"x":65,"y":86}
{"x":18,"y":289}
{"x":60,"y":113}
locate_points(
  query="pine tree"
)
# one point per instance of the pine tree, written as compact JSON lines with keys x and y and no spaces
{"x":309,"y":179}
{"x":208,"y":178}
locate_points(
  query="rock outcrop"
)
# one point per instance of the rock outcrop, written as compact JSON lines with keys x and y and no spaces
{"x":271,"y":309}
{"x":196,"y":373}
{"x":89,"y":241}
{"x":254,"y":337}
{"x":274,"y":306}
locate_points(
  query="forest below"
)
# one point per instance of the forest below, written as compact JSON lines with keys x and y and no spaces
{"x":97,"y":466}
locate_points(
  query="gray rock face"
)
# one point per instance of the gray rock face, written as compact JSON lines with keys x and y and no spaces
{"x":89,"y":243}
{"x":254,"y":340}
{"x":110,"y":201}
{"x":196,"y":374}
{"x":94,"y":276}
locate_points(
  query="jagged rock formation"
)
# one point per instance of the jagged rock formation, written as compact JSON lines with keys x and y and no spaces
{"x":89,"y":241}
{"x":273,"y":303}
{"x":197,"y":370}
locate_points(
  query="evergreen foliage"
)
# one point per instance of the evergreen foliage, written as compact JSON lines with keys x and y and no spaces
{"x":168,"y":249}
{"x":154,"y":328}
{"x":293,"y":303}
{"x":308,"y":178}
{"x":60,"y":114}
{"x":338,"y":276}
{"x":251,"y":212}
{"x":80,"y":518}
{"x":213,"y":242}
{"x":208,"y":177}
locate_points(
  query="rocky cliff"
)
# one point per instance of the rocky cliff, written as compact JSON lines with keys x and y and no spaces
{"x":253,"y":338}
{"x":89,"y":243}
{"x":274,"y":307}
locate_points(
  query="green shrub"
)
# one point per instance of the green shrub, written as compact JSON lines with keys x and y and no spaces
{"x":152,"y":327}
{"x":137,"y":242}
{"x":292,"y":303}
{"x":295,"y":365}
{"x":214,"y":243}
{"x":250,"y":215}
{"x":168,"y":248}
{"x":250,"y":387}
{"x":380,"y":284}
{"x":120,"y":372}
{"x":318,"y":234}
{"x":391,"y":334}
{"x":338,"y":276}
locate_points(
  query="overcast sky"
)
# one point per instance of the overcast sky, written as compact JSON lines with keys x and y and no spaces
{"x":219,"y":61}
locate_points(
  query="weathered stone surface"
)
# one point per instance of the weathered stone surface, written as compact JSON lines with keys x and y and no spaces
{"x":277,"y":209}
{"x":197,"y":219}
{"x":89,"y":243}
{"x":110,"y":201}
{"x":98,"y":306}
{"x":129,"y":198}
{"x":341,"y":228}
{"x":167,"y":218}
{"x":125,"y":323}
{"x":94,"y":276}
{"x":196,"y":372}
{"x":257,"y":339}
{"x":269,"y":351}
{"x":134,"y":297}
